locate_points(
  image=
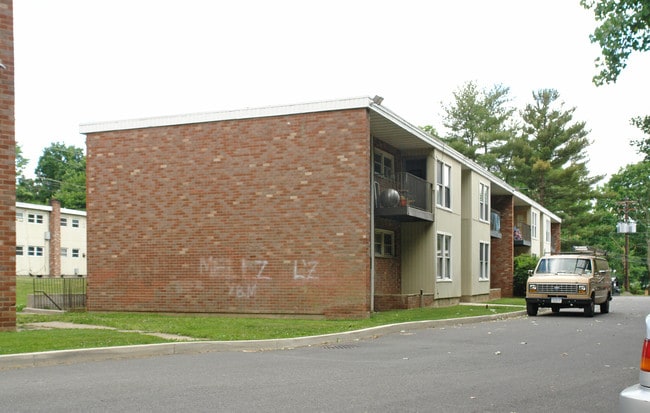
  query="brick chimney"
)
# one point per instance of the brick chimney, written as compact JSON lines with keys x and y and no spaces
{"x":55,"y":238}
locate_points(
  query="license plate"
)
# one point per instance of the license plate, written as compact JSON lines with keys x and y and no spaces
{"x":556,"y":300}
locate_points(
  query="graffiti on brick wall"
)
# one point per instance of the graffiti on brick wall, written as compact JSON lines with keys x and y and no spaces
{"x":242,"y":279}
{"x":304,"y":270}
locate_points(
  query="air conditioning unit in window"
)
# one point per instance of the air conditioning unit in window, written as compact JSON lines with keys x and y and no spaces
{"x":47,"y":235}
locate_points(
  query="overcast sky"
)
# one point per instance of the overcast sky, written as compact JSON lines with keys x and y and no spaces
{"x":81,"y":61}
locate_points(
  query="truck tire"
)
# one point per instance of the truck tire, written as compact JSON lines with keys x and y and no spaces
{"x":531,"y":309}
{"x":604,"y":307}
{"x":590,"y":308}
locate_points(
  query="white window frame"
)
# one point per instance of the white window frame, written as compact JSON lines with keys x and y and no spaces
{"x":20,"y":250}
{"x":75,"y":253}
{"x":34,"y":251}
{"x":484,"y":261}
{"x":382,"y":249}
{"x":35,"y":218}
{"x":380,"y":160}
{"x":443,"y":185}
{"x":534,"y":218}
{"x":64,"y":252}
{"x":75,"y":223}
{"x":64,"y":222}
{"x":443,"y":257}
{"x":547,"y":229}
{"x":484,"y":202}
{"x":19,"y":216}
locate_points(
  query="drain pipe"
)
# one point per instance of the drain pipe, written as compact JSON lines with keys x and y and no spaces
{"x":373,"y":196}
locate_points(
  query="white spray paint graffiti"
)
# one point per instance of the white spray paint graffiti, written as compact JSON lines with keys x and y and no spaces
{"x":304,"y":270}
{"x":259,"y":264}
{"x":244,"y":284}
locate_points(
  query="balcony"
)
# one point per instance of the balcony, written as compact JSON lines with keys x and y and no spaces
{"x":406,"y":198}
{"x":495,"y":224}
{"x":521,"y":235}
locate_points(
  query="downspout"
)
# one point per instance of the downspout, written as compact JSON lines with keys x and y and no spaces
{"x":372,"y":227}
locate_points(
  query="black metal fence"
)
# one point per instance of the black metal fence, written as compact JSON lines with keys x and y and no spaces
{"x":59,"y":293}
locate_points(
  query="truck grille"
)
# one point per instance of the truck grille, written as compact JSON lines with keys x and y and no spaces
{"x":557,"y":288}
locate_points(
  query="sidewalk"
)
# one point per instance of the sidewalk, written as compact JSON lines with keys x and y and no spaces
{"x":51,"y":358}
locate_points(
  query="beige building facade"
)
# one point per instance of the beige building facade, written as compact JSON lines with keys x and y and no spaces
{"x":50,"y":241}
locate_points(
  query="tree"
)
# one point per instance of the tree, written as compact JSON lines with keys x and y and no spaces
{"x":624,"y":28}
{"x":643,"y":145}
{"x":629,"y":188}
{"x":25,"y":189}
{"x":548,"y":160}
{"x":61,"y":174}
{"x":479,"y":123}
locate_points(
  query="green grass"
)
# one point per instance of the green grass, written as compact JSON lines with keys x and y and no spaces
{"x":204,"y":327}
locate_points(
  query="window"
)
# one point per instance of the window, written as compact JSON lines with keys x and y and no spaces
{"x":547,"y":229}
{"x":75,"y":253}
{"x":75,"y":223}
{"x":64,"y":252}
{"x":384,"y":243}
{"x":484,"y":261}
{"x":443,"y":180}
{"x":533,"y":224}
{"x":484,"y":202}
{"x":19,"y":216}
{"x":444,"y":257}
{"x":384,"y":163}
{"x":35,"y":218}
{"x":19,"y":250}
{"x":35,"y":251}
{"x":64,"y":222}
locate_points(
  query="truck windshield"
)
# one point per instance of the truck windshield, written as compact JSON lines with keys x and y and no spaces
{"x":564,"y":265}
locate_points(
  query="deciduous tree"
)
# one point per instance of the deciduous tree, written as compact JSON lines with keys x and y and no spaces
{"x":624,"y":27}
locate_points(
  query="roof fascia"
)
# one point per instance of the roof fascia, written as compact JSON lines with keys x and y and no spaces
{"x":268,"y":111}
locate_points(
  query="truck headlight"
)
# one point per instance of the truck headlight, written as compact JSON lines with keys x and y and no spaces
{"x":532,"y":288}
{"x":582,"y":288}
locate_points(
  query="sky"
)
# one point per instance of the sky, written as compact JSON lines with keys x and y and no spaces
{"x":81,"y":61}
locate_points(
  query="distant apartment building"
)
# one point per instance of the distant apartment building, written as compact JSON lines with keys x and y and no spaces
{"x":50,"y":240}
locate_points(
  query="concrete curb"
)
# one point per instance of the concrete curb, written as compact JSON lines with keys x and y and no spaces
{"x":51,"y":358}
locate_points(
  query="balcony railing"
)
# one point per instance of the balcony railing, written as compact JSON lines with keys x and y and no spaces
{"x":495,"y":224}
{"x":406,"y":198}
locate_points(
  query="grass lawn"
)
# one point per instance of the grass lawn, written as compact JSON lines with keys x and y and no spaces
{"x":204,"y":327}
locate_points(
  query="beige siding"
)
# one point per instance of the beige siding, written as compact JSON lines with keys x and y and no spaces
{"x":448,"y":222}
{"x":474,"y":231}
{"x":418,"y":258}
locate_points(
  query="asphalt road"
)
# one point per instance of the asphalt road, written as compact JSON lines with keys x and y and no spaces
{"x":562,"y":362}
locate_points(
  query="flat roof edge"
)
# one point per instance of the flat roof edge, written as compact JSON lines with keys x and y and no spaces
{"x":249,"y":113}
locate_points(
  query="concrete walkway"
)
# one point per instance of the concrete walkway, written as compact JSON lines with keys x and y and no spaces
{"x":184,"y":346}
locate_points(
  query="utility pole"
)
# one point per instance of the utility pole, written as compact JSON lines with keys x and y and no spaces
{"x":626,"y":227}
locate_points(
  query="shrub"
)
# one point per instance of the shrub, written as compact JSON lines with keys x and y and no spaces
{"x":523,"y":264}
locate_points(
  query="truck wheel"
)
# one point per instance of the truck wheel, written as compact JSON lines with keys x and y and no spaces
{"x":531,"y":309}
{"x":604,"y":307}
{"x":590,"y":308}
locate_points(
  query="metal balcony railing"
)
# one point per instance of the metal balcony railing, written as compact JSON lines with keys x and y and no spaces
{"x":495,"y":224}
{"x":406,"y":195}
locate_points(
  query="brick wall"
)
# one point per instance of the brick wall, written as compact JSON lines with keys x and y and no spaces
{"x":267,"y":215}
{"x":502,"y":251}
{"x":7,"y":172}
{"x":55,"y":238}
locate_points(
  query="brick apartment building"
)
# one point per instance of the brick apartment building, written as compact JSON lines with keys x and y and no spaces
{"x":7,"y":170}
{"x":334,"y":209}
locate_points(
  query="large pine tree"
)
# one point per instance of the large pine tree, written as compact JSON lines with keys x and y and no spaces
{"x":548,"y":161}
{"x":479,"y":123}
